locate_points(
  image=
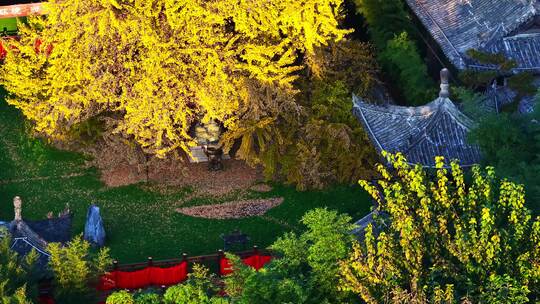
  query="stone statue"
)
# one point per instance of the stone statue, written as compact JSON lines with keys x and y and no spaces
{"x":17,"y":207}
{"x":94,"y":231}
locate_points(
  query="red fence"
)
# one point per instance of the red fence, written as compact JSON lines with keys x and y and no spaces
{"x":148,"y":276}
{"x":256,"y":261}
{"x":170,"y":272}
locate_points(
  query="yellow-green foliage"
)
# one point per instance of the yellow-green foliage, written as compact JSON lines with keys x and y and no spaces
{"x":446,"y":240}
{"x":150,"y":68}
{"x":120,"y":297}
{"x":16,"y":273}
{"x":74,"y":266}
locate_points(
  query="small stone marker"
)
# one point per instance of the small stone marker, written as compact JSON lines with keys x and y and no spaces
{"x":94,"y":232}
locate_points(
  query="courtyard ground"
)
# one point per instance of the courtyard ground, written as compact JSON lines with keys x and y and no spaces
{"x":142,"y":219}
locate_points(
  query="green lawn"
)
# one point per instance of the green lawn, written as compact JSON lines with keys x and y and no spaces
{"x":139,"y":222}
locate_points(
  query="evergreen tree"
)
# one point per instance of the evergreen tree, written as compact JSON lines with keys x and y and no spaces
{"x":391,"y":31}
{"x":404,"y":64}
{"x":386,"y":19}
{"x":511,"y":143}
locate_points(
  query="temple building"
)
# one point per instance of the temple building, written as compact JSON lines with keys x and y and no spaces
{"x":29,"y":235}
{"x":420,"y":133}
{"x":509,"y":27}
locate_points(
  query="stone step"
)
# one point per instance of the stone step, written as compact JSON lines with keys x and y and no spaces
{"x":198,"y":156}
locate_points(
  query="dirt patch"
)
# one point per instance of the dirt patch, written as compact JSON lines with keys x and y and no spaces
{"x":261,"y":188}
{"x":236,"y":175}
{"x":233,"y":210}
{"x":121,"y":164}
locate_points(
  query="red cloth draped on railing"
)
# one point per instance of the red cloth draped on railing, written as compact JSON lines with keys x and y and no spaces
{"x":168,"y":276}
{"x":144,"y":277}
{"x":133,"y":279}
{"x":153,"y":275}
{"x":255,"y":261}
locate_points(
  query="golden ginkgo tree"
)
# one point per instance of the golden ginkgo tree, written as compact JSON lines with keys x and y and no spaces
{"x":150,"y":69}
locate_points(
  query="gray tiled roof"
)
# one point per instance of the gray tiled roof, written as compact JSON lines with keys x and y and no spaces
{"x":487,"y":25}
{"x":53,"y":230}
{"x":527,"y":104}
{"x":496,"y":97}
{"x":28,"y":235}
{"x":420,"y":133}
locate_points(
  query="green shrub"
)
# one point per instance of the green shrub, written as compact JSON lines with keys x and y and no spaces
{"x":198,"y":289}
{"x":121,"y":297}
{"x":125,"y":297}
{"x":511,"y":143}
{"x":148,"y":298}
{"x":306,"y":270}
{"x":185,"y":294}
{"x":74,"y":267}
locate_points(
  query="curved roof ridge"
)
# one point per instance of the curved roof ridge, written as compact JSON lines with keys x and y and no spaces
{"x":431,"y":124}
{"x":494,"y":35}
{"x":25,"y":239}
{"x":460,"y":118}
{"x":439,"y":29}
{"x":425,"y":110}
{"x":420,"y":114}
{"x":356,"y":104}
{"x":433,"y":107}
{"x":425,"y":17}
{"x":448,"y":107}
{"x":23,"y":231}
{"x":531,"y":13}
{"x":421,"y":133}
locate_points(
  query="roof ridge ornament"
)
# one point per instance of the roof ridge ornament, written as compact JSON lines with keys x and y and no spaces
{"x":17,"y":208}
{"x":445,"y":86}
